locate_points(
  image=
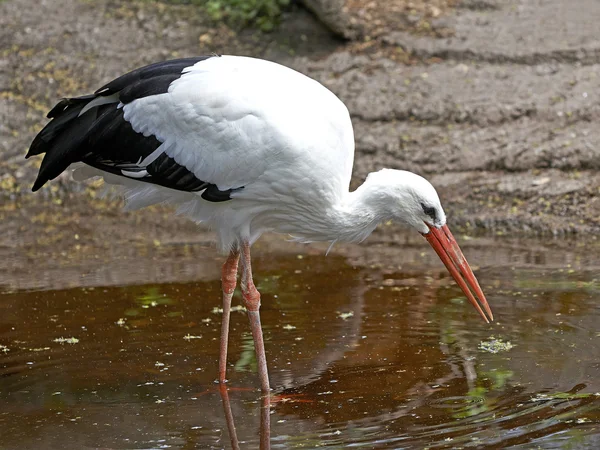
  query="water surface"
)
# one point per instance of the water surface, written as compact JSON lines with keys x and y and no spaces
{"x":360,"y":355}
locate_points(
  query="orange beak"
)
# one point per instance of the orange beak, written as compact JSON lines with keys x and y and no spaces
{"x":445,"y":246}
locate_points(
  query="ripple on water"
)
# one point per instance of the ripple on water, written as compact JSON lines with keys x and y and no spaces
{"x":359,"y":358}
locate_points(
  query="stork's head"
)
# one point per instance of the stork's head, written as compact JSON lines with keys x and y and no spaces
{"x":411,"y":199}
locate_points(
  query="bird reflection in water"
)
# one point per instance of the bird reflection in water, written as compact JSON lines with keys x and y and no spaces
{"x":290,"y":382}
{"x":265,"y":419}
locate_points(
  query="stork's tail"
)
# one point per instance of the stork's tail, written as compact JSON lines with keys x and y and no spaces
{"x":61,"y":138}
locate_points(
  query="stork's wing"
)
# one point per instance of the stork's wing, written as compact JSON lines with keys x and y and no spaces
{"x":94,"y":129}
{"x":210,"y":124}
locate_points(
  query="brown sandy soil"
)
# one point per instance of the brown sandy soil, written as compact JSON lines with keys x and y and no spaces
{"x":495,"y":101}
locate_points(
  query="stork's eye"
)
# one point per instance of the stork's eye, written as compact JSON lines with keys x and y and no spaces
{"x":430,"y":211}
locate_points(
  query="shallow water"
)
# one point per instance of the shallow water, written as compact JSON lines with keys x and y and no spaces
{"x":358,"y":355}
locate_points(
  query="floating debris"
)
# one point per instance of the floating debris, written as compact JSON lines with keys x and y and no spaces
{"x":494,"y":345}
{"x":346,"y":315}
{"x":563,"y":396}
{"x":189,"y":337}
{"x":236,"y":308}
{"x":121,"y":322}
{"x":4,"y":348}
{"x":289,"y":327}
{"x":63,"y":340}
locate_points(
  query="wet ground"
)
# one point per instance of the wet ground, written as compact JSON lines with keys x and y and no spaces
{"x":364,"y":349}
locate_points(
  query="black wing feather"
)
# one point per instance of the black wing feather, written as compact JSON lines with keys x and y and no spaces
{"x":103,"y":139}
{"x":66,"y":148}
{"x":174,"y":66}
{"x":166,"y":172}
{"x":63,"y":114}
{"x":113,"y":139}
{"x":67,"y":102}
{"x":147,"y":87}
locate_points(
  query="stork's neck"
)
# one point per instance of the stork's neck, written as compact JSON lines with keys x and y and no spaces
{"x":351,"y":216}
{"x":355,"y":217}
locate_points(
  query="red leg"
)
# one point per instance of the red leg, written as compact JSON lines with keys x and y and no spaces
{"x":265,"y":422}
{"x":228,"y":281}
{"x":251,"y":298}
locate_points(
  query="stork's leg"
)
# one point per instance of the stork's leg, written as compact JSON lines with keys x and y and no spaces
{"x":251,"y":298}
{"x":228,"y":281}
{"x":265,"y":423}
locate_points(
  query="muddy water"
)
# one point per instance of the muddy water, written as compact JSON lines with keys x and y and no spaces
{"x":358,"y":355}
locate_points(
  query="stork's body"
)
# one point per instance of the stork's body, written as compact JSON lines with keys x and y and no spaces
{"x":244,"y":146}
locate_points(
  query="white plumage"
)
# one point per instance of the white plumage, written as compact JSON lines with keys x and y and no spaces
{"x":243,"y":122}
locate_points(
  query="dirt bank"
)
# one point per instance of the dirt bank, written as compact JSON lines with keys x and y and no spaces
{"x":495,"y":101}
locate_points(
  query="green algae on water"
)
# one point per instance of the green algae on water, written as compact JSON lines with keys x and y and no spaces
{"x":494,"y":345}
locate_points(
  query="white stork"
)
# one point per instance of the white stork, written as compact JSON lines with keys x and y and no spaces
{"x":245,"y":146}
